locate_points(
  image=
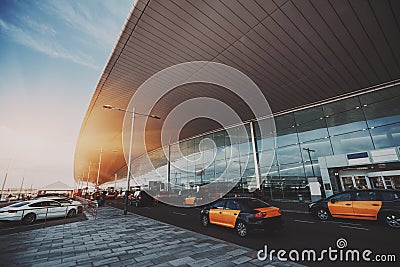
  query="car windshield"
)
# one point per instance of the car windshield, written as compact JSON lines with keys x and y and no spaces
{"x":19,"y":204}
{"x":255,"y":203}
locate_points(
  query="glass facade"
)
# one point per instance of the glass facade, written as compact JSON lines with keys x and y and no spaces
{"x":365,"y":122}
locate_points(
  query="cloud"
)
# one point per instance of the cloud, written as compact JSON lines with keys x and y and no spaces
{"x":42,"y":105}
{"x":40,"y":136}
{"x":42,"y":44}
{"x":64,"y":29}
{"x":89,"y":18}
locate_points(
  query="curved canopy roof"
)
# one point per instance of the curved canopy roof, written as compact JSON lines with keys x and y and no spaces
{"x":297,"y":51}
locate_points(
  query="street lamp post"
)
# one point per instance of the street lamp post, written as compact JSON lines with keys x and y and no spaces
{"x":128,"y":175}
{"x":309,"y":156}
{"x":115,"y":182}
{"x":98,"y":169}
{"x":5,"y":179}
{"x":87,"y":181}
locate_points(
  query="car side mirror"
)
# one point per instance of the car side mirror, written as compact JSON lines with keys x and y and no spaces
{"x":333,"y":200}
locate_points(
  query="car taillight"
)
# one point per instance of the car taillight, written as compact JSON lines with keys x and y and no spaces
{"x":12,"y":211}
{"x":260,"y":214}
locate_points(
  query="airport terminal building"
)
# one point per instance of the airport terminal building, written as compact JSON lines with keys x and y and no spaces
{"x":329,"y":69}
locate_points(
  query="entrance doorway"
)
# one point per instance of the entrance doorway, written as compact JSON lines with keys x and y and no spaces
{"x":350,"y":182}
{"x":371,"y":180}
{"x":385,"y":179}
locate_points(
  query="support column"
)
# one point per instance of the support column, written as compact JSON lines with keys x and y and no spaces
{"x":255,"y":155}
{"x":169,"y":168}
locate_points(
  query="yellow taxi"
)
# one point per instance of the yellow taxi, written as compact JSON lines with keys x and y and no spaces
{"x":373,"y":205}
{"x":242,"y":214}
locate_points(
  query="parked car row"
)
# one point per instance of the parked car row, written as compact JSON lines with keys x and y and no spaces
{"x":245,"y":214}
{"x":40,"y":208}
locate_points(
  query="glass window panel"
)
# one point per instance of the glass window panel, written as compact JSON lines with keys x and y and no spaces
{"x":234,"y":169}
{"x":340,"y":106}
{"x":284,"y":121}
{"x":266,"y":144}
{"x":190,"y":146}
{"x":245,"y":148}
{"x":257,"y":130}
{"x":289,"y":171}
{"x":185,"y":148}
{"x":289,"y":154}
{"x":267,"y":125}
{"x":248,"y":174}
{"x":380,"y":95}
{"x":209,"y":173}
{"x":220,"y":153}
{"x":309,"y":170}
{"x":196,"y":143}
{"x":219,"y":139}
{"x":352,"y":142}
{"x":241,"y":136}
{"x":265,"y":158}
{"x":231,"y":152}
{"x":312,"y":130}
{"x":174,"y":153}
{"x":270,"y":172}
{"x":287,"y":137}
{"x":228,"y":139}
{"x":191,"y":168}
{"x":309,"y":114}
{"x":386,"y":136}
{"x":321,"y":147}
{"x":247,"y":163}
{"x":382,"y":113}
{"x":220,"y":167}
{"x":346,"y":122}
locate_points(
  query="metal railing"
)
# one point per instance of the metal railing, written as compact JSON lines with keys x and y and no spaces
{"x":89,"y":206}
{"x":28,"y":211}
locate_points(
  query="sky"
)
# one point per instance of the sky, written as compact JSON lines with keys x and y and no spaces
{"x":52,"y":54}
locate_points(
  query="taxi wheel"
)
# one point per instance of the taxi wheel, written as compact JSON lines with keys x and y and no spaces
{"x":29,"y":218}
{"x":392,"y":219}
{"x":241,"y":229}
{"x":323,"y":214}
{"x":71,"y":213}
{"x":204,"y":220}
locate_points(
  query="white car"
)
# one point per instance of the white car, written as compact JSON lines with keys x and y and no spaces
{"x":29,"y":211}
{"x":67,"y":202}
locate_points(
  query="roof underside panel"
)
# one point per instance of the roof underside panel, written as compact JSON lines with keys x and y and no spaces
{"x":297,"y":51}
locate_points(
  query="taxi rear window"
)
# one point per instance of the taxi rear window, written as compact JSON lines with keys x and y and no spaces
{"x":255,"y":203}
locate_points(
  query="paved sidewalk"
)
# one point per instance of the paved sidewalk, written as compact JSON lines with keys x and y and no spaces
{"x":117,"y":240}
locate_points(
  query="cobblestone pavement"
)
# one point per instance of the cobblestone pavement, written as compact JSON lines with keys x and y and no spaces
{"x":114,"y":239}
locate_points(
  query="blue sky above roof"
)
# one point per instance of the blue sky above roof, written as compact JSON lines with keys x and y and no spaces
{"x":52,"y":55}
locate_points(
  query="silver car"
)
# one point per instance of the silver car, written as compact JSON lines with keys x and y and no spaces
{"x":29,"y":211}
